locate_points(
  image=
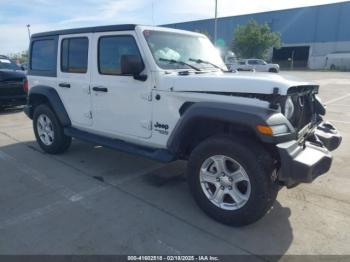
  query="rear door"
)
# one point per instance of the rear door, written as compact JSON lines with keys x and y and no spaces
{"x":73,"y":77}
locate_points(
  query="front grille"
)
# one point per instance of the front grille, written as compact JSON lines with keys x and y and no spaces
{"x":303,"y":111}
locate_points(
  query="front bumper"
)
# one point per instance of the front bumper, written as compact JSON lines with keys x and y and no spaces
{"x":303,"y":162}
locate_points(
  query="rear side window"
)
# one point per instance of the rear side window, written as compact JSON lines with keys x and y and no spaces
{"x":43,"y":55}
{"x":74,"y":55}
{"x":110,"y":51}
{"x":252,"y":62}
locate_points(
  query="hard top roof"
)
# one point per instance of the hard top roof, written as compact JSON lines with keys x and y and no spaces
{"x":107,"y":28}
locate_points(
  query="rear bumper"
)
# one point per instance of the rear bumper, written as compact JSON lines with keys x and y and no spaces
{"x":13,"y":100}
{"x":302,"y":163}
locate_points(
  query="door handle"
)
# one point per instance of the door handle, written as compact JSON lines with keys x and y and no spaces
{"x":100,"y":89}
{"x":65,"y":85}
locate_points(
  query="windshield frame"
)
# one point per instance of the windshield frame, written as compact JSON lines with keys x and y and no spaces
{"x":206,"y":68}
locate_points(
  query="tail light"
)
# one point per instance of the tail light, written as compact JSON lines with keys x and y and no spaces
{"x":25,"y":85}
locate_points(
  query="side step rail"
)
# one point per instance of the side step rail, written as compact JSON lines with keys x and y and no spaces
{"x":161,"y":155}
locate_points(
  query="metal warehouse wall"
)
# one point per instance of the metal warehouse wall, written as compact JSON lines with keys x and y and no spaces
{"x":325,"y":23}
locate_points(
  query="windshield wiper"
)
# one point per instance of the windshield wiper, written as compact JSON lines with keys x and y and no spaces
{"x":200,"y":61}
{"x":173,"y":61}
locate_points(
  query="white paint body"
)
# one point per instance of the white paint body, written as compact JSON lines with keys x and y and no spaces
{"x":130,"y":110}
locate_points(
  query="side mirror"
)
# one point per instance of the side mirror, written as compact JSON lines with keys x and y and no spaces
{"x":133,"y":65}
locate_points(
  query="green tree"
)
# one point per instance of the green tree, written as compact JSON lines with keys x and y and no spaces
{"x":253,"y":40}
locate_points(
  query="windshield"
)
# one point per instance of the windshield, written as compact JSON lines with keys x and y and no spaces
{"x":170,"y":48}
{"x":8,"y":64}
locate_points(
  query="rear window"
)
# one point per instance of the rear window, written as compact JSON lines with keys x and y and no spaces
{"x":43,"y":55}
{"x":8,"y":64}
{"x":252,"y":62}
{"x":74,"y":55}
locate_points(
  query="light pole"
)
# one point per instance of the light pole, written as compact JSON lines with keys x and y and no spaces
{"x":153,"y":13}
{"x":216,"y":22}
{"x":28,"y":28}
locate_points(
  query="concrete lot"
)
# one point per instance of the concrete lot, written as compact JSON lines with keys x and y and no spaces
{"x":92,"y":200}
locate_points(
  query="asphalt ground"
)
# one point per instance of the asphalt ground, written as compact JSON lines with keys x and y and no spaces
{"x":92,"y":200}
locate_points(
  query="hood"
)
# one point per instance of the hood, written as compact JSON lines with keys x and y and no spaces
{"x":11,"y":75}
{"x":257,"y":83}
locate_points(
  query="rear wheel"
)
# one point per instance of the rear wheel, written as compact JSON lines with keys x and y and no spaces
{"x":232,"y":180}
{"x":49,"y":131}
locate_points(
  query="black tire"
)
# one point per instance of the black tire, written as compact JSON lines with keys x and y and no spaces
{"x":273,"y":70}
{"x":61,"y":142}
{"x":259,"y":168}
{"x":333,"y":67}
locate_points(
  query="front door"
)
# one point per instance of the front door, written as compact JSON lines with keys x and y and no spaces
{"x":122,"y":105}
{"x":251,"y":64}
{"x":73,"y":77}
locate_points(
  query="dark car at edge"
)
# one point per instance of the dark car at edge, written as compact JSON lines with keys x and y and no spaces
{"x":13,"y":84}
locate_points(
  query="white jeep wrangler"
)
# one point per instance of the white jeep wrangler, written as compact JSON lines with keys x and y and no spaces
{"x":165,"y":94}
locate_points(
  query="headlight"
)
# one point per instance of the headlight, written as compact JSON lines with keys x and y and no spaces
{"x":280,"y":129}
{"x":272,"y":130}
{"x":289,"y":108}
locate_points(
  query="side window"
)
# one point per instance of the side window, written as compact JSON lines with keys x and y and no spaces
{"x":252,"y":62}
{"x":43,"y":55}
{"x":110,"y":51}
{"x":74,"y":55}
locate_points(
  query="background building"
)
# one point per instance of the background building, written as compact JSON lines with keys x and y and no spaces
{"x":308,"y":34}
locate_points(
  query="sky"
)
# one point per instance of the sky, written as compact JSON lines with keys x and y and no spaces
{"x":47,"y":15}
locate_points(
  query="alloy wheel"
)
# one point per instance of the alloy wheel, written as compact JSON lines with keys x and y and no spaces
{"x":225,"y":182}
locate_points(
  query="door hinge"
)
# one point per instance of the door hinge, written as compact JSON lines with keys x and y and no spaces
{"x":88,"y":115}
{"x":147,"y":96}
{"x":146,"y":124}
{"x":87,"y":90}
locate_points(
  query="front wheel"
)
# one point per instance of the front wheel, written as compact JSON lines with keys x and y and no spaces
{"x":49,"y":131}
{"x":232,"y":181}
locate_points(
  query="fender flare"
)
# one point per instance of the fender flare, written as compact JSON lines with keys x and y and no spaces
{"x":242,"y":115}
{"x":54,"y":100}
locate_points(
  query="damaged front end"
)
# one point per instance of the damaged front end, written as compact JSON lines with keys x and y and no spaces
{"x":308,"y":156}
